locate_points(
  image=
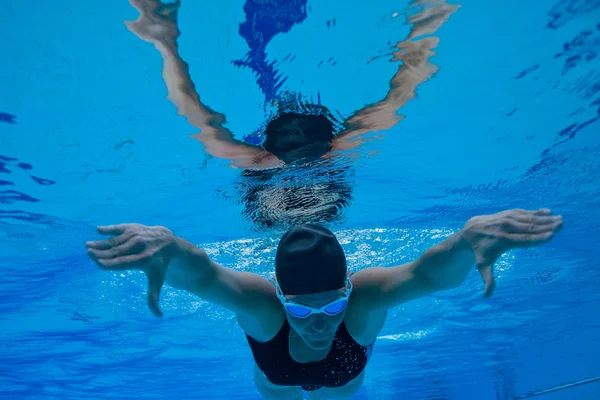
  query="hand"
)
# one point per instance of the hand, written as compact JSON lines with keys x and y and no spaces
{"x":134,"y":246}
{"x":157,"y":21}
{"x":492,"y":235}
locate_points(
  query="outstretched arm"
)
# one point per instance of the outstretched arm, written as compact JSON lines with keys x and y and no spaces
{"x":162,"y":256}
{"x":157,"y":24}
{"x":414,"y":70}
{"x":446,"y":265}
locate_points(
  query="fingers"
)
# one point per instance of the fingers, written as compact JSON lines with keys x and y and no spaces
{"x":541,"y":226}
{"x":541,"y":211}
{"x":108,"y":243}
{"x":122,"y":263}
{"x":129,"y":248}
{"x":487,"y":274}
{"x":155,"y":282}
{"x":536,"y":219}
{"x":113,"y":229}
{"x":119,"y":231}
{"x":531,"y":240}
{"x":119,"y":246}
{"x":144,"y":5}
{"x":526,"y":229}
{"x":132,"y":25}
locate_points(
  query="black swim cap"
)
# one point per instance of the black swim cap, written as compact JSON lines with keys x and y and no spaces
{"x":293,"y":136}
{"x":310,"y":260}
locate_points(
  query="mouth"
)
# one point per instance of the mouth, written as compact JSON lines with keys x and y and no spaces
{"x":319,"y":335}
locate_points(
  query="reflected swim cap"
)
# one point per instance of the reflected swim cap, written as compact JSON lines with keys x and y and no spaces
{"x":309,"y":260}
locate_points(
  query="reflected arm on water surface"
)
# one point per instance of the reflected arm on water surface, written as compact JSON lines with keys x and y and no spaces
{"x":415,"y":68}
{"x":157,"y":24}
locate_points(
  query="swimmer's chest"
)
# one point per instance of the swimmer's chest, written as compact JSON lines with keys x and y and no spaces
{"x":345,"y":361}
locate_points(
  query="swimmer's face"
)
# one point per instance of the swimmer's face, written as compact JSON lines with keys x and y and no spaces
{"x":317,"y":330}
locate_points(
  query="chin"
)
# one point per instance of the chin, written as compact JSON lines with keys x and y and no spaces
{"x":318,"y":343}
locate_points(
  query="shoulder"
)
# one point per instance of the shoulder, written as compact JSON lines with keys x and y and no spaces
{"x":362,"y":320}
{"x":364,"y":324}
{"x":262,"y":330}
{"x":265,"y":320}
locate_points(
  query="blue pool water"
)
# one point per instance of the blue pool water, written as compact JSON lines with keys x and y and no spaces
{"x":87,"y":137}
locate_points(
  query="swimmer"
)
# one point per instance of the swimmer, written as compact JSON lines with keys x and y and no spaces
{"x":314,"y":326}
{"x":294,"y":134}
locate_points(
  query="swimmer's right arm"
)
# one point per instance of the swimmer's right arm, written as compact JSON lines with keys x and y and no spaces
{"x":162,"y":256}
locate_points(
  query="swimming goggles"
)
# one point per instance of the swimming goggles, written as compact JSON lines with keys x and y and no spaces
{"x":302,"y":311}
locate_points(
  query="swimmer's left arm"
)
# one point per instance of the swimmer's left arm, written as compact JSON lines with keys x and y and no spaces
{"x":446,"y":265}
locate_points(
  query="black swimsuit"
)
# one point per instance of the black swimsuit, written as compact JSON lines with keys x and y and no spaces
{"x":345,"y":361}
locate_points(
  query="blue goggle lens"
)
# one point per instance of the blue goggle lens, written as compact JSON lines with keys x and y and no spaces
{"x":297,"y":310}
{"x":336,"y":308}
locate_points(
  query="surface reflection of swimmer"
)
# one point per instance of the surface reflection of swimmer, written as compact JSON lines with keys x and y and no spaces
{"x":310,"y":192}
{"x":297,"y":133}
